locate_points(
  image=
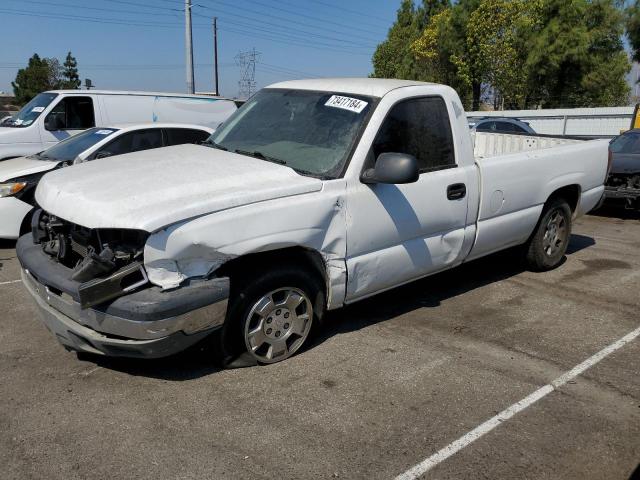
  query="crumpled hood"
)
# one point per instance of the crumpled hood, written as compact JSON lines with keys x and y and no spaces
{"x":151,"y":189}
{"x":22,"y":166}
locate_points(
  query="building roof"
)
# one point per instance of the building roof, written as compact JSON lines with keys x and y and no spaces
{"x":375,"y":87}
{"x":146,"y":94}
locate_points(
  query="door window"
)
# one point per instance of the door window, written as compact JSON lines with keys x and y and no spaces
{"x":132,"y":142}
{"x":72,"y":113}
{"x":418,"y":127}
{"x":178,"y":136}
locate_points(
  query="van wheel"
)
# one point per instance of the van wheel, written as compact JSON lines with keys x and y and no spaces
{"x":273,"y":315}
{"x":546,"y":248}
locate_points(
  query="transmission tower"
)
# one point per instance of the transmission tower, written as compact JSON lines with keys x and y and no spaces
{"x":247,"y":63}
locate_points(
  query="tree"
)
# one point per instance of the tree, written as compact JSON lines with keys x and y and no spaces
{"x":495,"y":51}
{"x":577,"y":59}
{"x":40,"y":74}
{"x":393,"y":58}
{"x":633,"y":28}
{"x":70,"y":73}
{"x":444,"y":45}
{"x":547,"y":53}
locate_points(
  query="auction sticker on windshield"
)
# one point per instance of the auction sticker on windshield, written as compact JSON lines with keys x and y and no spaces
{"x":346,"y":103}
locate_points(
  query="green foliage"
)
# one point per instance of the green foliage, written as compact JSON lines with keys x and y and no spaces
{"x":43,"y":74}
{"x":40,"y":74}
{"x":633,"y":28}
{"x":577,"y":58}
{"x":393,"y":57}
{"x":529,"y":53}
{"x":70,"y":73}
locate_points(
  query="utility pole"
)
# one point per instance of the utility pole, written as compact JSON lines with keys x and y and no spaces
{"x":188,"y":37}
{"x":215,"y":55}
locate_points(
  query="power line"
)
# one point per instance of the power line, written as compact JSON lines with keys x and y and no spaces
{"x":70,"y":5}
{"x":361,"y":14}
{"x":293,"y":36}
{"x":274,"y":37}
{"x":324,"y":27}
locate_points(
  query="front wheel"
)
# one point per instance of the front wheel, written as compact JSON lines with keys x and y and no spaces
{"x":273,"y":315}
{"x":548,"y":244}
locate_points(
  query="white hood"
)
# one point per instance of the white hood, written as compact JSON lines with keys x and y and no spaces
{"x":152,"y":189}
{"x":19,"y":167}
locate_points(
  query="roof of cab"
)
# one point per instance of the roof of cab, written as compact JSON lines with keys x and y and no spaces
{"x":142,"y":126}
{"x":374,"y":87}
{"x":144,"y":94}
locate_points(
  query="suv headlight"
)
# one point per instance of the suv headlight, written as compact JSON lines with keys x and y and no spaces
{"x":9,"y":189}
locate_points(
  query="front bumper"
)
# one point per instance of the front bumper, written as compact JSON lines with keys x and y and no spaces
{"x":148,"y":323}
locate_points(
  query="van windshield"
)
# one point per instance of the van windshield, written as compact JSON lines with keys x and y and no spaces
{"x":311,"y":132}
{"x":67,"y":150}
{"x":32,"y":110}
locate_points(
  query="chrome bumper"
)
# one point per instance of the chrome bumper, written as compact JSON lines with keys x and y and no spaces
{"x":98,"y":332}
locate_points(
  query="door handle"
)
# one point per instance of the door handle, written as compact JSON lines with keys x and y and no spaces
{"x":456,"y":191}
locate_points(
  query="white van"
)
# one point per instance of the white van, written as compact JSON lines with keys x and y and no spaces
{"x":58,"y":114}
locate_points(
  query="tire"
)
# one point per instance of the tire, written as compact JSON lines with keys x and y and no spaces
{"x":547,"y":245}
{"x":271,"y":316}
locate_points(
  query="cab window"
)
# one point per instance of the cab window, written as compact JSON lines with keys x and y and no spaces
{"x":418,"y":127}
{"x":71,"y":113}
{"x":132,"y":142}
{"x":179,"y":136}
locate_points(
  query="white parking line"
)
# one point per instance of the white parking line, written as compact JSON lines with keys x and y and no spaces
{"x":10,"y":282}
{"x":454,"y":447}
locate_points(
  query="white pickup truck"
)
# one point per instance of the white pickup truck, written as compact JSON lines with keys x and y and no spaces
{"x":313,"y":195}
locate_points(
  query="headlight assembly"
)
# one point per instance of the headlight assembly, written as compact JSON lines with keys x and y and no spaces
{"x":9,"y":189}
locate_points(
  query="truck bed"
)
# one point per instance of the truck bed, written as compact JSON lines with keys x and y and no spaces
{"x":487,"y":144}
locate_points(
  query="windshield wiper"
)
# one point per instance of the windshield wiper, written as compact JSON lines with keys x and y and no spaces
{"x":215,"y":145}
{"x":261,"y":156}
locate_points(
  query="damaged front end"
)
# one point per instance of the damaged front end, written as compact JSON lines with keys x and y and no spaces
{"x":106,"y":263}
{"x":624,"y":187}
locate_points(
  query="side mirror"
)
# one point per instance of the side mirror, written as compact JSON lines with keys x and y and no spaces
{"x":53,"y":123}
{"x":103,"y":154}
{"x":393,"y":168}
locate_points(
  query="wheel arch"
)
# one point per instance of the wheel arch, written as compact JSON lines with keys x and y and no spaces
{"x":570,"y":193}
{"x":239,"y":269}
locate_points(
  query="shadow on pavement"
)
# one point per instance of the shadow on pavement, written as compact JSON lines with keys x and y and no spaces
{"x":429,"y":292}
{"x":616,"y":211}
{"x":188,"y":365}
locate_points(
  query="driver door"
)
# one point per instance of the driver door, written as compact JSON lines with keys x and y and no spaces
{"x":69,"y":116}
{"x":398,"y":233}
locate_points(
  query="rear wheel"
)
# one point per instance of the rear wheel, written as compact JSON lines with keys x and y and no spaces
{"x":273,"y":315}
{"x":546,"y":248}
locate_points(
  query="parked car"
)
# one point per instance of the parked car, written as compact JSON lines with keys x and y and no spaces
{"x":501,"y":125}
{"x":623,"y":183}
{"x":54,"y":116}
{"x":313,"y":195}
{"x":19,"y":177}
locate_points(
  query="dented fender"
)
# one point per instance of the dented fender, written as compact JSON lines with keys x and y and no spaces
{"x":198,"y":246}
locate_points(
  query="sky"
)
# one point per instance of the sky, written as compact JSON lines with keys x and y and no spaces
{"x":139,"y":44}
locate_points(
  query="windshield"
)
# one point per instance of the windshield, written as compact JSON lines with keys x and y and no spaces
{"x":311,"y":132}
{"x":30,"y":111}
{"x":627,"y":143}
{"x":69,"y":149}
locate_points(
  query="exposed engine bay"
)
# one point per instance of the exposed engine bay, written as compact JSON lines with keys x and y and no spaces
{"x":106,"y":262}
